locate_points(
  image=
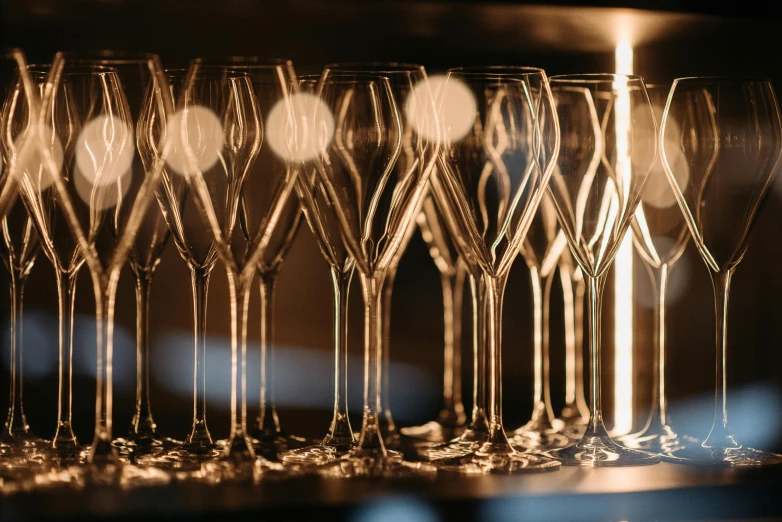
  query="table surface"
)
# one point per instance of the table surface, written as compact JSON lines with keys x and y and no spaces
{"x":664,"y":491}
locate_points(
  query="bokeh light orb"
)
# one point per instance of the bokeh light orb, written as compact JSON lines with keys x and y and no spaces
{"x":456,"y":109}
{"x":195,"y":137}
{"x":105,"y":149}
{"x":31,"y":161}
{"x":101,"y":197}
{"x":299,"y":128}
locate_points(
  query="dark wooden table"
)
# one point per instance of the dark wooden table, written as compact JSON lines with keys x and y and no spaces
{"x":663,"y":491}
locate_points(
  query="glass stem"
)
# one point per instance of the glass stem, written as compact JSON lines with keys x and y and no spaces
{"x":101,"y":451}
{"x":480,"y":421}
{"x":387,"y":425}
{"x":199,"y":434}
{"x":494,"y":290}
{"x":16,"y":424}
{"x":143,"y":424}
{"x":578,"y":318}
{"x":452,"y":414}
{"x":340,"y":432}
{"x":66,"y":293}
{"x":370,"y":441}
{"x":570,"y":337}
{"x":239,"y":447}
{"x":720,"y":436}
{"x":267,"y":423}
{"x":594,"y":295}
{"x":542,"y":413}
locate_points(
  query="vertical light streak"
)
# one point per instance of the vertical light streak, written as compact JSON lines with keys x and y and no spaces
{"x":623,"y":265}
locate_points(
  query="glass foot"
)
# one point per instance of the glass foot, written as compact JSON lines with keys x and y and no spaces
{"x":722,"y":457}
{"x":496,"y":459}
{"x":270,"y":446}
{"x":539,"y":441}
{"x":375,"y":467}
{"x":602,"y":452}
{"x":660,"y":440}
{"x":433,"y":431}
{"x":142,"y":445}
{"x":185,"y":457}
{"x":316,"y":455}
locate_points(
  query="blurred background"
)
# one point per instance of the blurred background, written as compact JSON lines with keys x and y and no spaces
{"x":668,"y":39}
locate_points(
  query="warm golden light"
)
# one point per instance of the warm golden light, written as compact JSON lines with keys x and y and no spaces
{"x":456,"y":105}
{"x":195,"y":137}
{"x":299,"y":128}
{"x":623,"y":266}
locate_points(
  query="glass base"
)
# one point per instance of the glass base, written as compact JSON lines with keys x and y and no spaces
{"x":538,"y":441}
{"x":316,"y":455}
{"x":602,"y":452}
{"x":270,"y":446}
{"x":722,"y":457}
{"x":659,"y":440}
{"x":142,"y":445}
{"x":433,"y":431}
{"x":185,"y":457}
{"x":371,"y":466}
{"x":496,"y":458}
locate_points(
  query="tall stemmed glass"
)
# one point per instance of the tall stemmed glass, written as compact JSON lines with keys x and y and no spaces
{"x":103,"y":199}
{"x":322,"y":222}
{"x":197,"y":248}
{"x":720,"y":169}
{"x":373,"y":203}
{"x":660,"y":235}
{"x":401,"y":77}
{"x":221,"y":131}
{"x":451,"y":420}
{"x":20,"y":247}
{"x":63,"y":252}
{"x":271,"y":82}
{"x":495,"y":162}
{"x":541,"y":250}
{"x":595,"y":206}
{"x":146,"y":249}
{"x":575,"y":412}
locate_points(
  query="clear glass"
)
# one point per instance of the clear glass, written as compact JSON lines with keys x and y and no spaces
{"x":221,"y":133}
{"x":374,"y":203}
{"x":88,"y":103}
{"x":321,"y":220}
{"x":541,"y":250}
{"x":197,"y":248}
{"x":609,"y":145}
{"x":491,"y":178}
{"x":719,"y":185}
{"x":575,"y":412}
{"x":660,"y":235}
{"x":451,"y":420}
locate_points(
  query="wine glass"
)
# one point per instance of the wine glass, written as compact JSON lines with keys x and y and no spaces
{"x":451,"y":420}
{"x":145,"y":252}
{"x":541,"y":250}
{"x":575,"y":413}
{"x":103,"y":200}
{"x":339,"y":440}
{"x":660,"y":235}
{"x":272,"y":82}
{"x":495,"y":162}
{"x":725,"y":141}
{"x":373,"y":202}
{"x":220,"y":129}
{"x":602,"y":167}
{"x":402,"y":77}
{"x":197,"y":248}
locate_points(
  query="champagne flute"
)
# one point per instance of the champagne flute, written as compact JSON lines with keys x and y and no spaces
{"x":725,"y":141}
{"x":541,"y":250}
{"x":272,"y":82}
{"x":197,"y":249}
{"x":493,"y":169}
{"x":595,"y":206}
{"x":104,"y":201}
{"x":339,"y":440}
{"x":145,"y":252}
{"x":451,"y":420}
{"x":374,"y":203}
{"x":660,"y":235}
{"x":402,"y":77}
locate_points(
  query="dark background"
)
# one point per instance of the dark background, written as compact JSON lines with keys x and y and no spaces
{"x":670,"y":38}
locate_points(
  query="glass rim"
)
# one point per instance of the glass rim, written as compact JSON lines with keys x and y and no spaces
{"x":594,"y":78}
{"x":109,"y":56}
{"x":496,"y":70}
{"x":374,"y":67}
{"x":722,"y":79}
{"x":241,"y":61}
